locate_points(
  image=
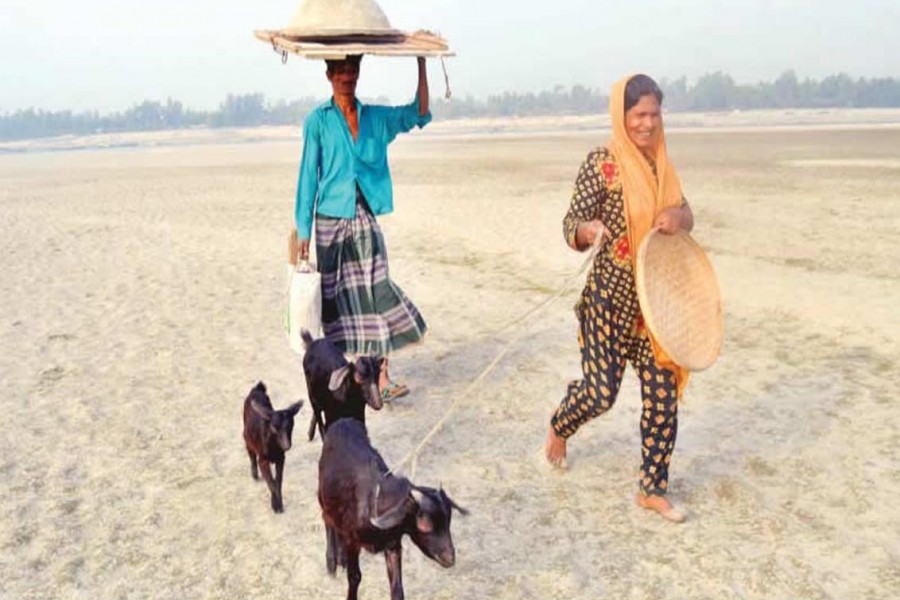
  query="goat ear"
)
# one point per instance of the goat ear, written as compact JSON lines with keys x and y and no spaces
{"x":453,"y":504}
{"x":263,"y":411}
{"x":417,"y":495}
{"x":424,"y":523}
{"x":294,"y":408}
{"x":450,"y":501}
{"x":338,"y":376}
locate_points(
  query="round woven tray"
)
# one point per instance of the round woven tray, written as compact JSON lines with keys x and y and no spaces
{"x":680,"y":298}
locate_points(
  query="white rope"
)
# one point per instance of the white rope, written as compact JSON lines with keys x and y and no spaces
{"x":446,"y":80}
{"x":412,"y":456}
{"x":565,"y":286}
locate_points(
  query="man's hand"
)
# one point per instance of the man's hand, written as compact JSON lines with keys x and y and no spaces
{"x":303,"y":249}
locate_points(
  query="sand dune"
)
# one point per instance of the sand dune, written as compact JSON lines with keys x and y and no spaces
{"x":143,"y":297}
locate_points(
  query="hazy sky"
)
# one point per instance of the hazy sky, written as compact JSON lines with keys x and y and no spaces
{"x":110,"y":54}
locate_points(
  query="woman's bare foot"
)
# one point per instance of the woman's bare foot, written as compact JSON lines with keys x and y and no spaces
{"x":661,"y":505}
{"x":555,"y":449}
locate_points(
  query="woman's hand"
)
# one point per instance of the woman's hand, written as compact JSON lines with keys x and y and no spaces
{"x":671,"y":219}
{"x":587,"y":233}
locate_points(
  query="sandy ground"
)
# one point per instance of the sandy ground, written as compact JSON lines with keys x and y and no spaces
{"x":143,"y":295}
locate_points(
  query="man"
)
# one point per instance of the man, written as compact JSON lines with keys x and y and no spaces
{"x":344,"y":184}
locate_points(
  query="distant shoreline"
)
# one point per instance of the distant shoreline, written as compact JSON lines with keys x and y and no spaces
{"x":685,"y":122}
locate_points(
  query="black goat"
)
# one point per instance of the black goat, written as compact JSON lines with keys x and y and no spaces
{"x":332,"y":390}
{"x":267,"y":435}
{"x":365,"y":507}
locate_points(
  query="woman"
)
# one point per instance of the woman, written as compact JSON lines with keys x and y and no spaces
{"x":344,"y":183}
{"x":621,"y":193}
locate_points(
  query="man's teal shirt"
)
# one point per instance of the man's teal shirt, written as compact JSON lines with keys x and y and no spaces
{"x":333,"y":164}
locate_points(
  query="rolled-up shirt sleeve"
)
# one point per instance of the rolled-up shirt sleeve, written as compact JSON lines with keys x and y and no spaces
{"x":586,"y":198}
{"x":400,"y":119}
{"x":308,"y":180}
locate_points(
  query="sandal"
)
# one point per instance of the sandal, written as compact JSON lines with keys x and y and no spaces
{"x":393,"y":391}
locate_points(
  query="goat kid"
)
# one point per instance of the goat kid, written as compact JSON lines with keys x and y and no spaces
{"x":267,"y":435}
{"x":363,"y":506}
{"x":337,"y":388}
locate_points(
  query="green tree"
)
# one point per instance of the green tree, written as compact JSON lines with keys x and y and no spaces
{"x":243,"y":110}
{"x":787,"y":90}
{"x":715,"y":91}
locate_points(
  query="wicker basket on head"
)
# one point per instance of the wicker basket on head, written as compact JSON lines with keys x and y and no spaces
{"x":680,"y":298}
{"x":323,"y":18}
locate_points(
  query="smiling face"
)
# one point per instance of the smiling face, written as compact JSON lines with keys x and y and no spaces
{"x":643,"y":122}
{"x":343,"y":75}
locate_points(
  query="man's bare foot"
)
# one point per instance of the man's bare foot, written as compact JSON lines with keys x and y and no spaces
{"x":555,"y":449}
{"x":661,"y":505}
{"x":384,"y":379}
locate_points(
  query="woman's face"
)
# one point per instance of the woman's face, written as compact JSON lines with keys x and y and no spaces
{"x":643,"y":122}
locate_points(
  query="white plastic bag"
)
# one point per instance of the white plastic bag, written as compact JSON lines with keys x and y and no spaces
{"x":304,"y":305}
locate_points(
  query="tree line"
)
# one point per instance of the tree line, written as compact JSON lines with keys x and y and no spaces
{"x":711,"y":92}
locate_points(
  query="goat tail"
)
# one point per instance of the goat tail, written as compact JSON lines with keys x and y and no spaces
{"x":307,"y":338}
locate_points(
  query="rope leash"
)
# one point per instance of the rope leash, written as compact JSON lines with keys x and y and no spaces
{"x":446,"y":80}
{"x":412,"y":456}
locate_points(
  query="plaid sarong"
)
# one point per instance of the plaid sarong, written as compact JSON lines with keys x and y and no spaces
{"x":363,"y":311}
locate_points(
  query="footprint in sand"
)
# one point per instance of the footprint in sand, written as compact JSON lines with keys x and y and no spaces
{"x":49,"y":377}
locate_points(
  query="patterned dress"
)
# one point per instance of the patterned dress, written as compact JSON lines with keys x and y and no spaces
{"x":612,"y":330}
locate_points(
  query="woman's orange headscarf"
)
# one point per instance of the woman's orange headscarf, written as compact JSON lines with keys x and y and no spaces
{"x":644,"y":194}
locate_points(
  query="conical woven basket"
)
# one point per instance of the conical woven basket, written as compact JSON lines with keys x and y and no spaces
{"x":339,"y":17}
{"x":680,"y":298}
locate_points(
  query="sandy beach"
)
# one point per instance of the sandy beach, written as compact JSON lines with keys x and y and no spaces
{"x":143,"y":297}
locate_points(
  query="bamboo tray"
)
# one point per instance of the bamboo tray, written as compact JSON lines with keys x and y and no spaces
{"x":680,"y":299}
{"x":340,"y":45}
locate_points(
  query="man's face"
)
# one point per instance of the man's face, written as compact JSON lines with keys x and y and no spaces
{"x":343,"y":75}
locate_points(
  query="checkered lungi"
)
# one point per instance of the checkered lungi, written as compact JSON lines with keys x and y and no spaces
{"x":363,"y":311}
